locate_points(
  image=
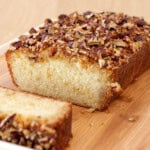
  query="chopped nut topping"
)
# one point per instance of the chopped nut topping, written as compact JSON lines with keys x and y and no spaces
{"x":70,"y":44}
{"x":120,"y":43}
{"x":23,"y":37}
{"x":52,"y":51}
{"x":62,"y":17}
{"x":33,"y":135}
{"x":7,"y":119}
{"x":107,"y":38}
{"x":102,"y":63}
{"x":32,"y":30}
{"x":140,"y":23}
{"x":17,"y":44}
{"x":31,"y":41}
{"x":47,"y":22}
{"x":94,"y":41}
{"x":138,"y":38}
{"x":112,"y":25}
{"x":88,"y":14}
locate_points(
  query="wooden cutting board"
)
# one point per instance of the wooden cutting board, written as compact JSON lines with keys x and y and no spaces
{"x":125,"y":125}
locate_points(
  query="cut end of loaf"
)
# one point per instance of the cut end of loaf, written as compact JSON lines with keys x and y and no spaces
{"x":74,"y":81}
{"x":34,"y":121}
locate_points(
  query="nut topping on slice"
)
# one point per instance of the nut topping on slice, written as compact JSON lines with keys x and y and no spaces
{"x":102,"y":63}
{"x":7,"y":119}
{"x":32,"y":30}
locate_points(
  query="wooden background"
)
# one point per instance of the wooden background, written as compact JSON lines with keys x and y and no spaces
{"x":17,"y":16}
{"x":126,"y":124}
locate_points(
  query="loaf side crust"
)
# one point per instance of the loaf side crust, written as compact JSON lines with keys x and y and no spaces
{"x":7,"y":57}
{"x":127,"y":73}
{"x":138,"y":63}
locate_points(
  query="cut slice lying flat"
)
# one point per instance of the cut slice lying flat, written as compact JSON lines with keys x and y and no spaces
{"x":34,"y":121}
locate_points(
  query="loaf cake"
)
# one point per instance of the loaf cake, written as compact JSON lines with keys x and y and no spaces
{"x":86,"y":59}
{"x":34,"y":121}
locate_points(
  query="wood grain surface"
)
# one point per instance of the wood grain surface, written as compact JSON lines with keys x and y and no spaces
{"x":125,"y":125}
{"x":17,"y":16}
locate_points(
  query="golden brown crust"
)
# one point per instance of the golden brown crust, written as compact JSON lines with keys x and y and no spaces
{"x":127,"y":73}
{"x":138,"y":63}
{"x":63,"y":129}
{"x":7,"y":57}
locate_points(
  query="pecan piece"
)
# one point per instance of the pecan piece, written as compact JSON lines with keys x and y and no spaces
{"x":88,"y":14}
{"x":94,"y":42}
{"x":31,"y":41}
{"x":62,"y":16}
{"x":17,"y":44}
{"x":23,"y":37}
{"x":140,"y":22}
{"x":120,"y":43}
{"x":137,"y":38}
{"x":6,"y":120}
{"x":122,"y":21}
{"x":32,"y":30}
{"x":101,"y":63}
{"x":70,"y":44}
{"x":52,"y":51}
{"x":43,"y":36}
{"x":47,"y":21}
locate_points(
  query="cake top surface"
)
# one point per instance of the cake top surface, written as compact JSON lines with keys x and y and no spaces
{"x":106,"y":38}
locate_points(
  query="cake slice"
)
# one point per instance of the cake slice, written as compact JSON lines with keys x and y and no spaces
{"x":86,"y":59}
{"x":34,"y":121}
